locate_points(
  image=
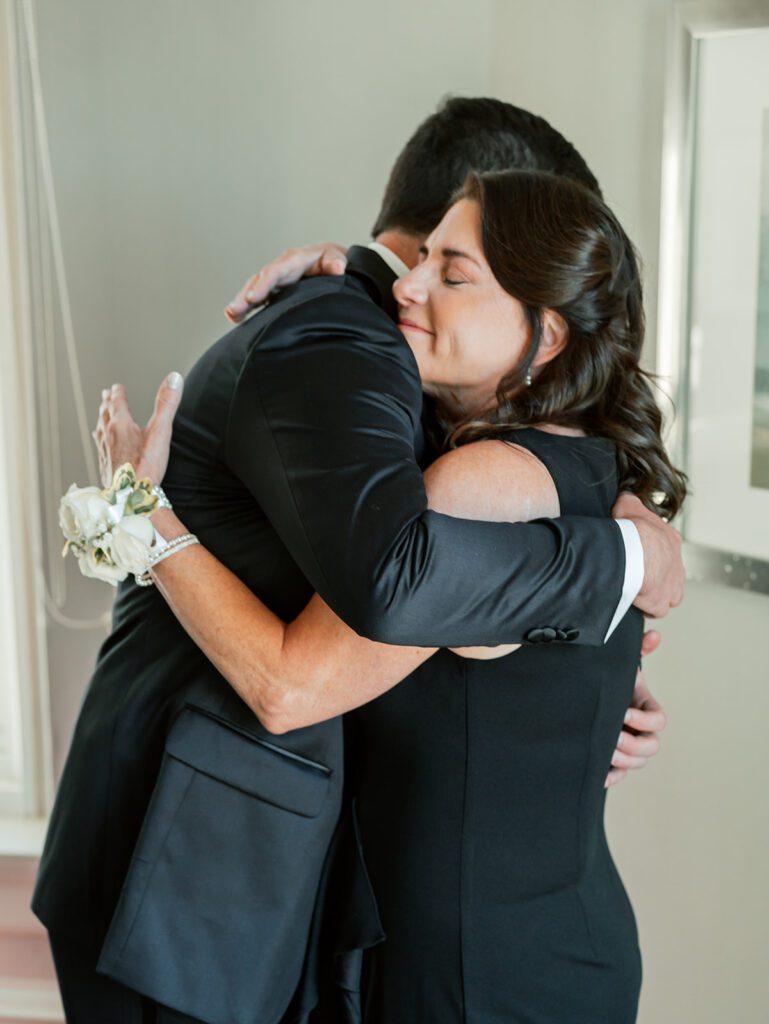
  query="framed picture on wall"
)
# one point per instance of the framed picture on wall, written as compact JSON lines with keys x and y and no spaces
{"x":714,"y":283}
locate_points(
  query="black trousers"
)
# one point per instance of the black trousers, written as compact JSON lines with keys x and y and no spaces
{"x":91,"y":998}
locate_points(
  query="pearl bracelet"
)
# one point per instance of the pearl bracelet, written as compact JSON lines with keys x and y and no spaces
{"x":162,"y":497}
{"x":170,"y":548}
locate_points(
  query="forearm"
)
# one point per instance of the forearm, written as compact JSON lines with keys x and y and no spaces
{"x":236,"y":631}
{"x":450,"y":583}
{"x":290,"y":675}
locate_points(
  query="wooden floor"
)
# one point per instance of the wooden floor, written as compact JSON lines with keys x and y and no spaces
{"x":28,"y":992}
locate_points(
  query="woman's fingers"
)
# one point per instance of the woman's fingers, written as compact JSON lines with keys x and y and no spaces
{"x":104,"y":410}
{"x":240,"y":305}
{"x":333,"y":260}
{"x":167,"y":401}
{"x":290,"y":266}
{"x":159,"y":430}
{"x":168,"y":398}
{"x":100,"y":416}
{"x":105,"y":468}
{"x":119,"y":439}
{"x":101,"y":436}
{"x":117,"y":402}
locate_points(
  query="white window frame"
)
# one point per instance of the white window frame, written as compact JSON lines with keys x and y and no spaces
{"x":27,"y":784}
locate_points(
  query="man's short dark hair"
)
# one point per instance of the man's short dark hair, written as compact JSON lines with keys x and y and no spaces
{"x":463,"y":135}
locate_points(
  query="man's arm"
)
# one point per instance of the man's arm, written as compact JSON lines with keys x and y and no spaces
{"x":322,"y":429}
{"x":654,"y":571}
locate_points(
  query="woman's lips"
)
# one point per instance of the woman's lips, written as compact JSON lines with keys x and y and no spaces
{"x":409,"y":325}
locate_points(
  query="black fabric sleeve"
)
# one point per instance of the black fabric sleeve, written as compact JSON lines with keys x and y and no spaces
{"x":321,"y":430}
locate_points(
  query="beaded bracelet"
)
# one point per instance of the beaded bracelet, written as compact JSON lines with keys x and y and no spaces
{"x":171,"y":548}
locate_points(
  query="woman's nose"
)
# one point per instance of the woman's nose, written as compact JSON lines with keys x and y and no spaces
{"x":411,"y":289}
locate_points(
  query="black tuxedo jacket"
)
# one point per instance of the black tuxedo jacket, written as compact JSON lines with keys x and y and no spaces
{"x":188,"y":844}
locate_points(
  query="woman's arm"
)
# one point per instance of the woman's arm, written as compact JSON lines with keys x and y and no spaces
{"x":532,"y":496}
{"x":316,"y":667}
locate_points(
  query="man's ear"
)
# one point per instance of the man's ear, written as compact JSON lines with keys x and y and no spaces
{"x":555,"y":336}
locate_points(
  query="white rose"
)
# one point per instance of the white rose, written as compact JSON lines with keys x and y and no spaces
{"x":131,"y":542}
{"x":101,"y":568}
{"x":83,"y":513}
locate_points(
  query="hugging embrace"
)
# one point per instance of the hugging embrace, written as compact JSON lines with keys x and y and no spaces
{"x":346,"y":761}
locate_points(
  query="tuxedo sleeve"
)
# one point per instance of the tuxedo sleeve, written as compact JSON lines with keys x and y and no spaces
{"x":321,"y":430}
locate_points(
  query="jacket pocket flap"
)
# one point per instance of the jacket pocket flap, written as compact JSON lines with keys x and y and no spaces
{"x":247,"y":763}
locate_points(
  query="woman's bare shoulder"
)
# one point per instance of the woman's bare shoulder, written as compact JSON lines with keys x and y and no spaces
{"x":493,"y":480}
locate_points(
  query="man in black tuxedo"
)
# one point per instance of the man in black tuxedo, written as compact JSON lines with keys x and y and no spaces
{"x":189,"y":849}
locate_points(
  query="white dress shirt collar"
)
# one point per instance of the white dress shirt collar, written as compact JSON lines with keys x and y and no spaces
{"x":395,"y":263}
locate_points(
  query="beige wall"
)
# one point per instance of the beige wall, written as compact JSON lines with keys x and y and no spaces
{"x":193,"y":141}
{"x":691,"y":834}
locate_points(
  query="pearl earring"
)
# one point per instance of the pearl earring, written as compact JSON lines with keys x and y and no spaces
{"x":528,"y":378}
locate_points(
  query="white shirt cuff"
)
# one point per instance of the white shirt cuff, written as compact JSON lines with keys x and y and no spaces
{"x":634,"y":571}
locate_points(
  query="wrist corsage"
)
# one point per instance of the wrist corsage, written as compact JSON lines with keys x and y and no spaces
{"x":109,"y":531}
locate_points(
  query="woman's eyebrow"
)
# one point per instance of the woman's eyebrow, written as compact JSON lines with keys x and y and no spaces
{"x":449,"y":253}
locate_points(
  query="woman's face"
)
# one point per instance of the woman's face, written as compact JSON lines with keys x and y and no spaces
{"x":464,"y":329}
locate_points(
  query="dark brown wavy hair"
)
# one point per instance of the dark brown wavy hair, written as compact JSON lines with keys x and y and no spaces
{"x":553,"y":244}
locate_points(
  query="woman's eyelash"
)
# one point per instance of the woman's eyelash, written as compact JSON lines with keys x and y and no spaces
{"x":448,"y":281}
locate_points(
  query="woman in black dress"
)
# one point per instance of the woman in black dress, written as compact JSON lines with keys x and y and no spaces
{"x":478,"y":782}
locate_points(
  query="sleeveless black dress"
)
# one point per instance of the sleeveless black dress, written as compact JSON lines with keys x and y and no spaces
{"x":479,"y":792}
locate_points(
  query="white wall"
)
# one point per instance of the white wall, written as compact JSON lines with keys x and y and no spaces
{"x":193,"y":141}
{"x":691,"y":834}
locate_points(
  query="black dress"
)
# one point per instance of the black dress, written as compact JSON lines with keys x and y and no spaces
{"x":480,"y":798}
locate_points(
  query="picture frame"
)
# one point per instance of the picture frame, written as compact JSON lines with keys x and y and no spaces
{"x":713,"y":319}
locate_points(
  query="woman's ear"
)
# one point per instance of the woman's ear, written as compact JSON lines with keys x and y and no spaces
{"x":555,"y":335}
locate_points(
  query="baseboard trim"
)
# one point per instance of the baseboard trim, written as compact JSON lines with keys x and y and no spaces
{"x":22,"y":999}
{"x":22,"y":837}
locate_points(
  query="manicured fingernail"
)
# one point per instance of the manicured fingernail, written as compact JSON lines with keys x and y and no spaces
{"x":104,"y":393}
{"x":628,"y":715}
{"x":619,"y":738}
{"x":174,"y":380}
